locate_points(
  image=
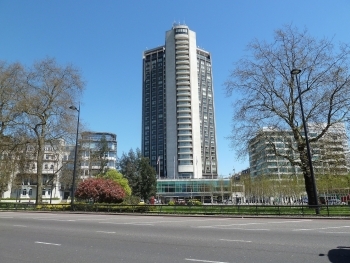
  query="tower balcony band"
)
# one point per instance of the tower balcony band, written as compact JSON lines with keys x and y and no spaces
{"x":181,"y":36}
{"x":184,"y":121}
{"x":182,"y":66}
{"x":181,"y":56}
{"x":183,"y":82}
{"x":183,"y":98}
{"x":182,"y":52}
{"x":183,"y":93}
{"x":182,"y":62}
{"x":183,"y":87}
{"x":182,"y":47}
{"x":182,"y":77}
{"x":184,"y":115}
{"x":181,"y":42}
{"x":184,"y":110}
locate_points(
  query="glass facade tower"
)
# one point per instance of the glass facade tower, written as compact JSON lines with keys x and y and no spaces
{"x":178,"y":123}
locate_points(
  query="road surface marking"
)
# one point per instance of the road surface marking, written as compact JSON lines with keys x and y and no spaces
{"x":58,"y":220}
{"x":246,"y":224}
{"x":232,"y":240}
{"x":273,"y":222}
{"x":253,"y":229}
{"x":134,"y":224}
{"x":20,"y":225}
{"x":327,"y":232}
{"x":230,"y":228}
{"x":106,"y":232}
{"x":52,"y":244}
{"x":294,"y":221}
{"x":200,"y":260}
{"x":322,"y":228}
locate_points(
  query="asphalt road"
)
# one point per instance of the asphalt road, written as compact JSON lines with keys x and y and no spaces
{"x":85,"y":238}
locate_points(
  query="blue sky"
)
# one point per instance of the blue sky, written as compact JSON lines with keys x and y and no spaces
{"x":106,"y":39}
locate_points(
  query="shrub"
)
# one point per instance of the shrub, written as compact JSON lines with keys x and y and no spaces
{"x":100,"y":190}
{"x":194,"y":202}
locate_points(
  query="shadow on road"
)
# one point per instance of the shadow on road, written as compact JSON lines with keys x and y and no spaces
{"x":339,"y":255}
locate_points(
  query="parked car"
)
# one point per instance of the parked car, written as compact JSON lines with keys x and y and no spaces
{"x":333,"y":202}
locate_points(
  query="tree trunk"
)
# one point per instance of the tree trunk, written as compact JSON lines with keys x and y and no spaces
{"x":309,"y":184}
{"x":39,"y":177}
{"x":309,"y":187}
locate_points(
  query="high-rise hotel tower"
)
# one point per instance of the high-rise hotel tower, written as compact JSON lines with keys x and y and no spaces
{"x":178,"y":121}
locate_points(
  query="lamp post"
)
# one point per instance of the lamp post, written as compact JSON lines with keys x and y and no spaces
{"x":75,"y":155}
{"x":234,"y":184}
{"x":295,"y":72}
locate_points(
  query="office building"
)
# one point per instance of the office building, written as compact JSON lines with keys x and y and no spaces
{"x":98,"y":151}
{"x":329,"y":154}
{"x":178,"y":120}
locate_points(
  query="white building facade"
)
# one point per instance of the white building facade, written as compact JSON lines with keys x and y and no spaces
{"x":329,"y":154}
{"x":58,"y":164}
{"x":178,"y":123}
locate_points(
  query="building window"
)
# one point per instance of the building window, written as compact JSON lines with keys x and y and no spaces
{"x":30,"y":192}
{"x":24,"y":192}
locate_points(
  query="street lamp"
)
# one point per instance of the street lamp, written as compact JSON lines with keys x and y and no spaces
{"x":295,"y":72}
{"x":75,"y":155}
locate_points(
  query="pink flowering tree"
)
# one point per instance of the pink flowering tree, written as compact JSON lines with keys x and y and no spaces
{"x":100,"y":190}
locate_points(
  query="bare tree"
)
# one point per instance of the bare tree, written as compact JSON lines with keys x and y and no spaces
{"x":11,"y":141}
{"x":50,"y":90}
{"x":267,"y":94}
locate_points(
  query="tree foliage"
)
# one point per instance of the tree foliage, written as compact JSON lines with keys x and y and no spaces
{"x":100,"y":190}
{"x":267,"y":94}
{"x":140,"y":174}
{"x":118,"y":178}
{"x":148,"y":179}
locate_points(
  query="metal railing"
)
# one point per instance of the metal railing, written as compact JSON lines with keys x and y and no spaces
{"x":228,"y":210}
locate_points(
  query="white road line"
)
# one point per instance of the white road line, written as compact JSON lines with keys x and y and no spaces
{"x":322,"y":228}
{"x":134,"y":224}
{"x":20,"y":225}
{"x":232,"y":240}
{"x":294,"y":221}
{"x":52,"y":244}
{"x":58,"y":220}
{"x":230,"y":228}
{"x":255,"y":229}
{"x":106,"y":232}
{"x":246,"y":224}
{"x":327,"y":232}
{"x":273,"y":222}
{"x":201,"y":260}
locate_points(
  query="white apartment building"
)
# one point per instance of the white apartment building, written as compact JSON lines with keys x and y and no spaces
{"x":57,"y":170}
{"x":178,"y":120}
{"x":23,"y":183}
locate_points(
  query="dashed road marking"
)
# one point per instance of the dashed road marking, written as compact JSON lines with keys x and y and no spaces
{"x":233,"y":240}
{"x":201,"y":260}
{"x":45,"y":243}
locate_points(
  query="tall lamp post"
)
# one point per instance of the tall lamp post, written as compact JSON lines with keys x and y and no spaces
{"x":295,"y":72}
{"x":75,"y":155}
